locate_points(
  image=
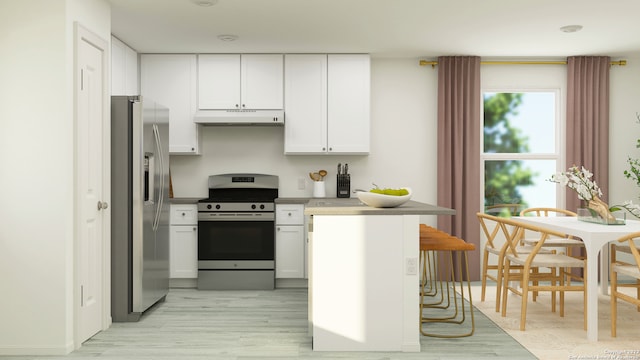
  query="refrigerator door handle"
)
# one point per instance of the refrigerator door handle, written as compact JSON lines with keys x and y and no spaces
{"x":156,"y":134}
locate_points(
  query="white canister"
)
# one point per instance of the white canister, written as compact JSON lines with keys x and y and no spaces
{"x":318,"y":189}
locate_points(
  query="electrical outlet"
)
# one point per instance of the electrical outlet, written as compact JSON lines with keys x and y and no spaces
{"x":301,"y":183}
{"x":412,"y":266}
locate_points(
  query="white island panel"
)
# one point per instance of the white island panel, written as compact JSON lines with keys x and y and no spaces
{"x":364,"y":298}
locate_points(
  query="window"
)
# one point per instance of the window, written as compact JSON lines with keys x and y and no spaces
{"x":520,"y":150}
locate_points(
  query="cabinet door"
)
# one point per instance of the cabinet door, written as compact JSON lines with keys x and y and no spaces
{"x":290,"y":251}
{"x":117,"y":67}
{"x":124,"y":69}
{"x":170,"y":79}
{"x":131,"y":71}
{"x":261,"y":81}
{"x":183,"y":255}
{"x":219,"y":81}
{"x":348,"y":103}
{"x":305,"y":104}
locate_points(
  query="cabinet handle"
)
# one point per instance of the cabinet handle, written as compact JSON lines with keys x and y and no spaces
{"x":278,"y":229}
{"x":237,"y":106}
{"x":324,"y":149}
{"x":243,"y":105}
{"x":330,"y":149}
{"x":183,"y":214}
{"x":195,"y":228}
{"x":289,"y":214}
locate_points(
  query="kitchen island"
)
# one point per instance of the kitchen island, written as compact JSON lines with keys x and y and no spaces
{"x":364,"y":275}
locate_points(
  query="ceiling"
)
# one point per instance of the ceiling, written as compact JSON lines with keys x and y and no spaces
{"x":384,"y":28}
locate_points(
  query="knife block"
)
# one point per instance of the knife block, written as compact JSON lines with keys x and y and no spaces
{"x":343,"y":185}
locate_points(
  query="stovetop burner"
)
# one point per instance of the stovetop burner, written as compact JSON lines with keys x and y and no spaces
{"x":240,"y":192}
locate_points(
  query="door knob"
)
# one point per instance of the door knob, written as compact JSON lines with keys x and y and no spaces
{"x":102,"y":205}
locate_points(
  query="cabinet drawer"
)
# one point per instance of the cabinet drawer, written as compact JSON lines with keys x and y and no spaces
{"x":290,"y":214}
{"x":184,"y":214}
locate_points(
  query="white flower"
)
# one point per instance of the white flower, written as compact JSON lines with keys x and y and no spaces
{"x":579,"y":180}
{"x":634,"y":209}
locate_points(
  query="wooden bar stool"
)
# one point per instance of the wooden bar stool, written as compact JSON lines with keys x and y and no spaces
{"x":429,"y":285}
{"x":444,"y":246}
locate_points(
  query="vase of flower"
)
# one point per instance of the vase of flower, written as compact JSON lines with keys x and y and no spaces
{"x":579,"y":180}
{"x":601,"y":208}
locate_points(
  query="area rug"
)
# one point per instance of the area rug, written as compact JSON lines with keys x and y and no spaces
{"x":549,"y":336}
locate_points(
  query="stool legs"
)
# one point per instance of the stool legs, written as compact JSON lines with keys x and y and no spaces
{"x":453,"y":277}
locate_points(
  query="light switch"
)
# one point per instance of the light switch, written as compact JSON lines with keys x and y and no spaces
{"x":412,"y":266}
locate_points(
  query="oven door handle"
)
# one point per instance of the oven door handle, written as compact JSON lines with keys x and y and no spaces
{"x":266,"y":216}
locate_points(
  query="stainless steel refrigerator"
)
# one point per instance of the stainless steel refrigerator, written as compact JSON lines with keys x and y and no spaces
{"x":140,"y":206}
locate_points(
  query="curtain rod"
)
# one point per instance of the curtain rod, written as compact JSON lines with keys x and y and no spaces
{"x":561,"y":62}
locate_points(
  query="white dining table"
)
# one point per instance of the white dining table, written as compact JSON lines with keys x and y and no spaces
{"x":595,"y":237}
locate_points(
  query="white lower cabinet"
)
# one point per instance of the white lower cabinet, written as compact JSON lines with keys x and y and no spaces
{"x":290,"y":241}
{"x":183,"y":241}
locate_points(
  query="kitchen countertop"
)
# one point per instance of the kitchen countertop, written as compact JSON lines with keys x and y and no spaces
{"x":184,"y":200}
{"x":353,"y":206}
{"x":292,"y":200}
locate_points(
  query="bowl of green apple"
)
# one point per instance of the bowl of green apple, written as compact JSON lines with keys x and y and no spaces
{"x":385,"y":198}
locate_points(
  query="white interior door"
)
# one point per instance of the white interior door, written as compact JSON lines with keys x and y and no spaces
{"x":90,"y":150}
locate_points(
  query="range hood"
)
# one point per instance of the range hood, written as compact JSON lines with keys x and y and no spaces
{"x":239,"y":117}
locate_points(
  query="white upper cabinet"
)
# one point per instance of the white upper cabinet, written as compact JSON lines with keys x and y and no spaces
{"x":305,"y":104}
{"x":240,"y":82}
{"x":327,"y":101}
{"x":171,"y":80}
{"x":348,"y":103}
{"x":124,"y":69}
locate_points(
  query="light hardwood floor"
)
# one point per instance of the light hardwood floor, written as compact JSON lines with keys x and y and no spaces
{"x":194,"y":324}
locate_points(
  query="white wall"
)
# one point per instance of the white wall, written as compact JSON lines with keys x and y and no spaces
{"x":403,"y":143}
{"x":37,"y":162}
{"x":403,"y":150}
{"x":624,"y":130}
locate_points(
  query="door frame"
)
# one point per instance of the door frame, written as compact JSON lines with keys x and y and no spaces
{"x":81,"y":33}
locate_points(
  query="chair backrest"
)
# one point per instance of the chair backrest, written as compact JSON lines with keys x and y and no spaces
{"x":512,"y":230}
{"x":632,"y":246}
{"x":498,"y":234}
{"x":501,"y":209}
{"x":546,"y":211}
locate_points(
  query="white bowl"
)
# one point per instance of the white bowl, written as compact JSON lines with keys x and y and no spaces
{"x":382,"y":200}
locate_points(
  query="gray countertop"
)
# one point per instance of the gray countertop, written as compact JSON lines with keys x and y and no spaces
{"x":184,"y":200}
{"x":292,"y":200}
{"x":353,"y":206}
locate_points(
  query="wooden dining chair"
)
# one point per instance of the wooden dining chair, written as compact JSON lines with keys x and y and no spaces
{"x":629,"y":268}
{"x":569,"y":245}
{"x":527,"y":273}
{"x":498,"y":235}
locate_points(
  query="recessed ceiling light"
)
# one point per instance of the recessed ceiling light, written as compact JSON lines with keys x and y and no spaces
{"x":571,"y":28}
{"x":228,"y":37}
{"x":205,"y":3}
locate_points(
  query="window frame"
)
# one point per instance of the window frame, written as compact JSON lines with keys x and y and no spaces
{"x":558,"y":155}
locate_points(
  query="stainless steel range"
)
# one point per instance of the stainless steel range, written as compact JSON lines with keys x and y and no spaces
{"x":236,"y":235}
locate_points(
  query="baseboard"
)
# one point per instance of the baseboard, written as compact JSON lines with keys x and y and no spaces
{"x":291,"y":283}
{"x":191,"y":283}
{"x":35,"y":351}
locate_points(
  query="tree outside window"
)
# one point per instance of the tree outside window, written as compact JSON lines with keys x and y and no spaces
{"x":519,"y":150}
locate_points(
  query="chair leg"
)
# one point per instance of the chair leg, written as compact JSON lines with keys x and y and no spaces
{"x":525,"y":293}
{"x":499,"y":280}
{"x":614,"y":292}
{"x":485,"y":264}
{"x":505,"y":286}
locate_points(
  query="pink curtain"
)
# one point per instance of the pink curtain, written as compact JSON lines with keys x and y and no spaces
{"x":587,"y":134}
{"x":459,"y":149}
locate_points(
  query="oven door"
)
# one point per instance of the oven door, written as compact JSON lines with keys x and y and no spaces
{"x":224,"y":237}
